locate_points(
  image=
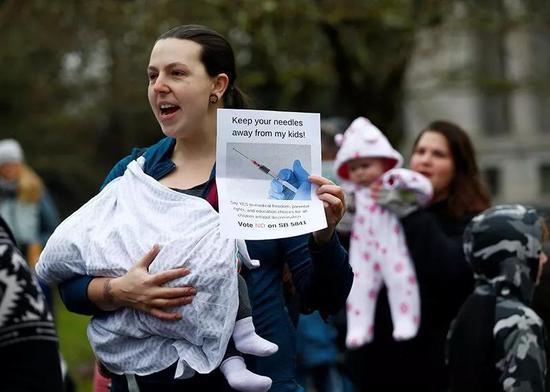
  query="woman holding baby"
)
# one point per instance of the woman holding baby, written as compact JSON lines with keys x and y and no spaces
{"x":191,"y":74}
{"x":444,"y":154}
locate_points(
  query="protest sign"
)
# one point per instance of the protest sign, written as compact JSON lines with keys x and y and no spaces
{"x":263,"y":159}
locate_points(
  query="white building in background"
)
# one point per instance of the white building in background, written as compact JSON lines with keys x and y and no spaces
{"x":496,"y":86}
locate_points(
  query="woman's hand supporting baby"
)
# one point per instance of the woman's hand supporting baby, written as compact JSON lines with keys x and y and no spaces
{"x":140,"y":290}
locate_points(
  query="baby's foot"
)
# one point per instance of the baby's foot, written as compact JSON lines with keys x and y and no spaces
{"x":405,"y":329}
{"x":358,"y":337}
{"x":242,"y":379}
{"x":248,"y":342}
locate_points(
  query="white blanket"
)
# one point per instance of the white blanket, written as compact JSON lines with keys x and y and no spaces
{"x":107,"y":235}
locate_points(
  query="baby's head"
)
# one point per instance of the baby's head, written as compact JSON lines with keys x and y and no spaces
{"x":364,"y":171}
{"x":365,"y":153}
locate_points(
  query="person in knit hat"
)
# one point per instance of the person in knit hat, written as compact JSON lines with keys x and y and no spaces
{"x":25,"y":203}
{"x":378,"y":252}
{"x":10,"y":151}
{"x":20,"y":192}
{"x":30,"y":213}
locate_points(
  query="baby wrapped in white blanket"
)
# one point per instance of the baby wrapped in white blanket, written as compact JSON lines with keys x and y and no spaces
{"x":107,"y":235}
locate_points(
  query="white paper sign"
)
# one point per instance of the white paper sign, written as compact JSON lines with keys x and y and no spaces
{"x":263,"y":159}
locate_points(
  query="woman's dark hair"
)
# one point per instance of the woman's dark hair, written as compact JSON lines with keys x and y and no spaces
{"x":216,"y":56}
{"x":467,"y":192}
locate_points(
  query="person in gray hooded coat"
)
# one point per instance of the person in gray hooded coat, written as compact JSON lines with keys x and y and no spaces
{"x":496,"y":343}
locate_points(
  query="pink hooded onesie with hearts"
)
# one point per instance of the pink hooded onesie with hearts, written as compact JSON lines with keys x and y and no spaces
{"x":378,"y":251}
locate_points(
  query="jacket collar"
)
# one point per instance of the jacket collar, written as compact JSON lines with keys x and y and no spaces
{"x":158,"y":163}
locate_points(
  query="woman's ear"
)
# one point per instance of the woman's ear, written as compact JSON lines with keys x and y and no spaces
{"x":220,"y":84}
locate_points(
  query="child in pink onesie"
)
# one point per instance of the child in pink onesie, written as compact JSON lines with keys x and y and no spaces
{"x":378,"y":252}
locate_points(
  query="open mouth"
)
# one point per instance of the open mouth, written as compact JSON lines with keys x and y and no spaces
{"x":166,"y":109}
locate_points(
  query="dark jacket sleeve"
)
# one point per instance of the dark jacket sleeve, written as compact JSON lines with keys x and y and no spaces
{"x":438,"y":256}
{"x":322,"y":275}
{"x":445,"y":277}
{"x":74,"y":292}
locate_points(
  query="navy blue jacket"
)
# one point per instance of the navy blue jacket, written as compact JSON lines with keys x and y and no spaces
{"x":322,"y":277}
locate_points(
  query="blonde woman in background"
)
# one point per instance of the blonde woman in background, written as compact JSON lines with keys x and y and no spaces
{"x":25,"y":204}
{"x":21,"y":191}
{"x":28,"y":210}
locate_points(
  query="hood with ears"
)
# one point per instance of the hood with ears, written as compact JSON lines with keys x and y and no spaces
{"x":363,"y":139}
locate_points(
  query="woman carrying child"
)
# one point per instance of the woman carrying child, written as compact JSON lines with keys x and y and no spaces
{"x":444,"y":154}
{"x":192,"y":74}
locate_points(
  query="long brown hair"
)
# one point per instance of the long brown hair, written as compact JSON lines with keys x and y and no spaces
{"x":467,"y":192}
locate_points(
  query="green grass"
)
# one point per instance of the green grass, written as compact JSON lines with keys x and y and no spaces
{"x":73,"y":342}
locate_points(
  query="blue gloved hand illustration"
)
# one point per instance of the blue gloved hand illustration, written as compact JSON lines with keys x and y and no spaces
{"x":297,"y":177}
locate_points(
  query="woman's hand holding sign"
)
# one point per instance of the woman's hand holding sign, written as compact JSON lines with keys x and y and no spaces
{"x":330,"y":194}
{"x":333,"y":200}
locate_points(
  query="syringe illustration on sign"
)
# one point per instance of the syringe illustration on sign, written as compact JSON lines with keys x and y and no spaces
{"x":268,"y":171}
